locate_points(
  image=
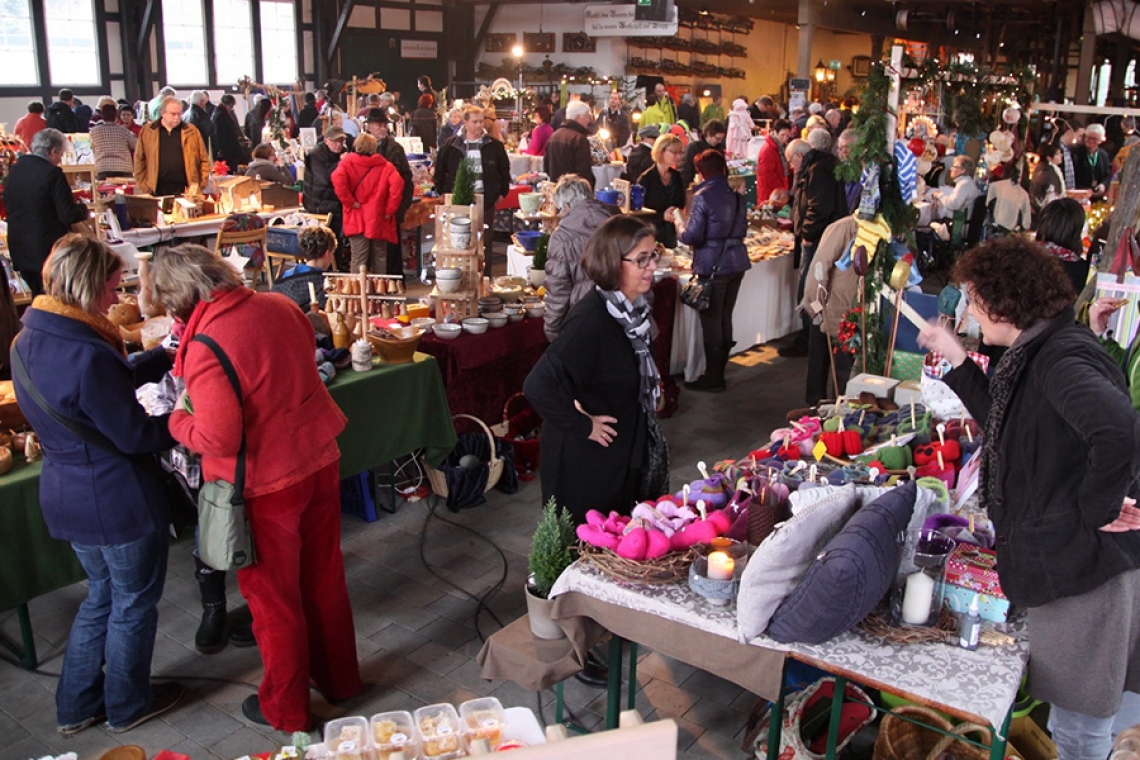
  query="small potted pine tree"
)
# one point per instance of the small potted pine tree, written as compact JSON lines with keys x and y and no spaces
{"x":551,"y":552}
{"x":536,"y":275}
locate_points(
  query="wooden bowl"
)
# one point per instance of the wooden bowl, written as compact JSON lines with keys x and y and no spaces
{"x":11,"y":418}
{"x":395,"y":351}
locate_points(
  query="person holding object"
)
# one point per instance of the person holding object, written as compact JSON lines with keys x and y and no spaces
{"x":41,"y":208}
{"x":171,"y":158}
{"x":296,"y":588}
{"x":102,"y":488}
{"x":1059,"y":479}
{"x":369,"y":189}
{"x":597,"y":388}
{"x":664,"y":188}
{"x":715,"y":229}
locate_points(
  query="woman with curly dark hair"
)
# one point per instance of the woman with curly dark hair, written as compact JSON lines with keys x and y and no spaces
{"x":1059,"y":479}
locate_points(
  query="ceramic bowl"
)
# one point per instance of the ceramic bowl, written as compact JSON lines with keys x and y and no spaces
{"x":447,"y":331}
{"x":424,"y":323}
{"x":528,"y":239}
{"x":535,"y":310}
{"x":475,"y":325}
{"x":448,"y":274}
{"x":448,"y":286}
{"x":495,"y":318}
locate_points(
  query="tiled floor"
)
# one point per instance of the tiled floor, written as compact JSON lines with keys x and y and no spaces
{"x":416,"y":634}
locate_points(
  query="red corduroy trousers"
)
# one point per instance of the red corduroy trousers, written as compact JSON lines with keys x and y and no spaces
{"x":299,"y":599}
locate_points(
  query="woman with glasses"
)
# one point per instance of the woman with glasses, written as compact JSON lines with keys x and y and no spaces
{"x":664,"y":188}
{"x":597,"y":388}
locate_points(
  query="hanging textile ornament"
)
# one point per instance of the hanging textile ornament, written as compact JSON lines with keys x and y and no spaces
{"x":907,"y":171}
{"x":870,"y":199}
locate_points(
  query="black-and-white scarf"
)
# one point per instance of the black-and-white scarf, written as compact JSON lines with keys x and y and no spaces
{"x":635,"y":321}
{"x":1005,"y":379}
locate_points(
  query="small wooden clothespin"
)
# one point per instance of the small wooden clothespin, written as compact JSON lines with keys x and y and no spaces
{"x":941,"y":434}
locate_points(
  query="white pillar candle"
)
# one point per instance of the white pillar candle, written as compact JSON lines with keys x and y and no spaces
{"x":917,"y":599}
{"x":720,"y":567}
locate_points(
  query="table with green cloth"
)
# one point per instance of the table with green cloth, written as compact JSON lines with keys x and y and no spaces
{"x":392,"y":410}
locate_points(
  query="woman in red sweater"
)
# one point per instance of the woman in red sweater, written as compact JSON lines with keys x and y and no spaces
{"x":370,"y":190}
{"x":296,"y":589}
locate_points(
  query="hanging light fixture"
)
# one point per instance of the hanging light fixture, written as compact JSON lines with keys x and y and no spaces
{"x":820,"y":72}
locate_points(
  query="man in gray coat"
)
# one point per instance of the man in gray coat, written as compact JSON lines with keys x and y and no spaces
{"x":566,"y":283}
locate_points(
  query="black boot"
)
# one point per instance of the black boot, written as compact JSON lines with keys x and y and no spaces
{"x":211,"y":635}
{"x":716,"y":356}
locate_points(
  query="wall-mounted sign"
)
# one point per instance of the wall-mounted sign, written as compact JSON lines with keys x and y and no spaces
{"x":419,"y":49}
{"x":619,"y":21}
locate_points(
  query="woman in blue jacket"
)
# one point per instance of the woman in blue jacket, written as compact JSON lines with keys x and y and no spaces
{"x":715,"y":229}
{"x":101,"y":487}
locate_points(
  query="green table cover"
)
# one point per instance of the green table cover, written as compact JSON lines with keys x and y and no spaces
{"x":392,"y":410}
{"x":33,"y":562}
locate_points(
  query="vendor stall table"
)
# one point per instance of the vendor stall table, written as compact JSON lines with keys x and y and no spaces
{"x":34,"y":563}
{"x":168,"y":233}
{"x":765,"y":311}
{"x":480,"y":372}
{"x":978,"y":686}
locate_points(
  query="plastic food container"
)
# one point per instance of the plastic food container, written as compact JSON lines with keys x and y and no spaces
{"x":439,"y":731}
{"x":394,"y":732}
{"x":484,"y":718}
{"x":348,"y":739}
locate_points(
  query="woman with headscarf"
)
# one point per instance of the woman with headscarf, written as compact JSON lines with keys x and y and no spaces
{"x":1059,"y":479}
{"x":597,"y":388}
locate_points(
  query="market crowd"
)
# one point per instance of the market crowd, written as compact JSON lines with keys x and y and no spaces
{"x":1058,"y":409}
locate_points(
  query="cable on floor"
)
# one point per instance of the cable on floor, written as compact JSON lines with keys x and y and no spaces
{"x":481,"y":601}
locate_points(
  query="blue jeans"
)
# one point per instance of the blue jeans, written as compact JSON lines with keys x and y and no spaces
{"x":1083,"y":737}
{"x":106,"y":668}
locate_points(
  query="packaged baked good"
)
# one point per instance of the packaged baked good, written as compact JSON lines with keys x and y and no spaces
{"x":348,"y":739}
{"x":393,"y":732}
{"x":483,"y":718}
{"x":439,"y":732}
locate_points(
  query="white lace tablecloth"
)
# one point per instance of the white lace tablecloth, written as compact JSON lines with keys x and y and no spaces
{"x":765,"y":311}
{"x":981,"y":684}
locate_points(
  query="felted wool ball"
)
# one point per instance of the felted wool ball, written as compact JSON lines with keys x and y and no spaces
{"x":917,"y":146}
{"x":837,"y":477}
{"x":1011,"y":115}
{"x":836,"y":443}
{"x":852,"y":442}
{"x":789,"y":452}
{"x":469,"y":461}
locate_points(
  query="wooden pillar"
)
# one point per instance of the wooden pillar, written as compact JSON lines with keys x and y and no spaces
{"x":877,"y":47}
{"x":804,"y":63}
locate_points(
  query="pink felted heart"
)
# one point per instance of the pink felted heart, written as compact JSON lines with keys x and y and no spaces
{"x":658,"y":544}
{"x":595,"y":536}
{"x":615,"y":523}
{"x":699,"y":532}
{"x":634,"y":545}
{"x":595,"y":518}
{"x":720,"y":520}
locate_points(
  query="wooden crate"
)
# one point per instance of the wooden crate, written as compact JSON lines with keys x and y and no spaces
{"x":446,"y":212}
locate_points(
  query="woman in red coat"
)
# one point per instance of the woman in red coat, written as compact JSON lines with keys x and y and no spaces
{"x":370,"y":190}
{"x":296,"y":589}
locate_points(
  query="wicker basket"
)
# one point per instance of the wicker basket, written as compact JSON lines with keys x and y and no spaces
{"x":520,"y":420}
{"x":900,"y":739}
{"x":438,"y":478}
{"x":672,"y":568}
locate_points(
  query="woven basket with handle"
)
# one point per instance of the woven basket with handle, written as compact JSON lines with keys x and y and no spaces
{"x":900,"y":739}
{"x":438,"y":478}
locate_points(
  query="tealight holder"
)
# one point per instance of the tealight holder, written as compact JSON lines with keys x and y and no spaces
{"x":715,"y":573}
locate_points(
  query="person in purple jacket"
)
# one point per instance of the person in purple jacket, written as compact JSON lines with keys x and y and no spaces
{"x":716,"y":223}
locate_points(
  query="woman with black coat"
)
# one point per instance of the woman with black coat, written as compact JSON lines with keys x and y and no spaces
{"x":597,"y":388}
{"x":256,"y":118}
{"x":664,"y":188}
{"x":715,"y":228}
{"x":1059,"y":480}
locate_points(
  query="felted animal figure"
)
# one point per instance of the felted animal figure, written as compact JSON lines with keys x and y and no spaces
{"x":896,"y":457}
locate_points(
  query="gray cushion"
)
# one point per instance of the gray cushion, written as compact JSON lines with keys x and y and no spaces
{"x":781,"y":561}
{"x":854,"y":572}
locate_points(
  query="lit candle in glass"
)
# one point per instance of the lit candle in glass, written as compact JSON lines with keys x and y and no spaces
{"x":720,"y":567}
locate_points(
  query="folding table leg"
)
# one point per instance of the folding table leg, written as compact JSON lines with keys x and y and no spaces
{"x":26,"y":653}
{"x":613,"y":687}
{"x":836,"y":713}
{"x":776,"y":716}
{"x":631,"y":702}
{"x":997,"y":747}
